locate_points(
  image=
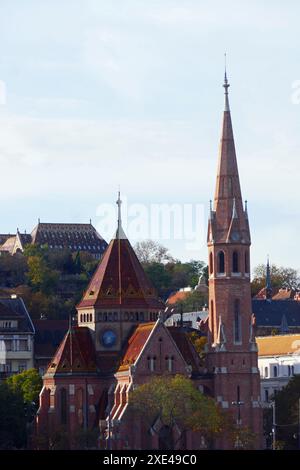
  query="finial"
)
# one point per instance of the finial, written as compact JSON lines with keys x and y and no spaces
{"x":90,"y":221}
{"x":226,"y":86}
{"x":268,"y":281}
{"x":39,"y":220}
{"x":119,"y":202}
{"x":210,"y":205}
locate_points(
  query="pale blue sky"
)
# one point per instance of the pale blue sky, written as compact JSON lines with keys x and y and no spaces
{"x":101,"y":93}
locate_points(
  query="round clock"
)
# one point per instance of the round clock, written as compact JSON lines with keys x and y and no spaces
{"x":108,"y":338}
{"x":235,"y":236}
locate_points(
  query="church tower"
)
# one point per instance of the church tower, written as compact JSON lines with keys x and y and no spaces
{"x":232,"y":351}
{"x":118,"y":298}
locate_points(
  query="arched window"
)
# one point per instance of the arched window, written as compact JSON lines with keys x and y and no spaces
{"x":275,"y":371}
{"x":221,"y":262}
{"x":289,"y":370}
{"x":266,"y":372}
{"x":212,"y":320}
{"x":247,"y":270}
{"x":211,"y":263}
{"x":237,"y":322}
{"x":63,"y":406}
{"x":169,"y":363}
{"x":235,"y":262}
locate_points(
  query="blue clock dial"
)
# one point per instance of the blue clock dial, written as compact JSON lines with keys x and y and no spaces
{"x":108,"y":338}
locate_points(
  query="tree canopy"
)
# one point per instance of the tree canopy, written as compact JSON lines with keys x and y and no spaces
{"x":176,"y":402}
{"x":281,"y":277}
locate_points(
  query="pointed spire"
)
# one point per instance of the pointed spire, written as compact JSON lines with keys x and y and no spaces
{"x":268,"y":281}
{"x":228,"y":205}
{"x":226,"y":86}
{"x":120,"y":232}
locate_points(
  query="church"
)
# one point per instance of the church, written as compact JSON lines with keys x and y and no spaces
{"x":121,"y":340}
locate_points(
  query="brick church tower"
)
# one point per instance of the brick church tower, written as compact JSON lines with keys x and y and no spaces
{"x":232,"y":350}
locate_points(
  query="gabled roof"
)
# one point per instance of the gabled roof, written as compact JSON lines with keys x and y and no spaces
{"x":76,"y":354}
{"x":120,"y":281}
{"x":278,"y":345}
{"x":270,"y":312}
{"x":14,"y":309}
{"x":135,"y":344}
{"x":185,"y":346}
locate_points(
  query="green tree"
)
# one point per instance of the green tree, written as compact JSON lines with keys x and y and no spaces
{"x":281,"y":277}
{"x":287,"y":414}
{"x":28,"y":383}
{"x":176,"y":402}
{"x":12,"y":418}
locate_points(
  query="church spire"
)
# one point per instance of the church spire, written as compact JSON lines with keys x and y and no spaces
{"x":268,"y":281}
{"x":228,"y":204}
{"x":120,"y":232}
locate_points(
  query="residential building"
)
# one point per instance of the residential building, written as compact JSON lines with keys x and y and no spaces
{"x":16,"y":337}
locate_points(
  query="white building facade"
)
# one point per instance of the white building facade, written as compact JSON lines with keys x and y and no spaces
{"x":16,"y":337}
{"x":278,"y":362}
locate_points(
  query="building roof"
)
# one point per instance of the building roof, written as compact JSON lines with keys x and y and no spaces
{"x":76,"y":354}
{"x":120,"y":281}
{"x":284,"y":294}
{"x":278,"y":345}
{"x":4,"y":237}
{"x":178,"y":296}
{"x":135,"y":344}
{"x":76,"y":237}
{"x":9,"y":244}
{"x":14,"y":309}
{"x":48,"y":336}
{"x":185,"y":346}
{"x":270,"y":313}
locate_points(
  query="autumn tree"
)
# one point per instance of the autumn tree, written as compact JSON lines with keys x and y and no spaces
{"x":176,"y":402}
{"x":281,"y":277}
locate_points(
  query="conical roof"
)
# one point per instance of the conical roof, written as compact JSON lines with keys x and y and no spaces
{"x":120,"y":280}
{"x":75,"y":354}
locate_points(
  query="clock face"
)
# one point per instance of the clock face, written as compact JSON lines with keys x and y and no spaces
{"x":235,"y":236}
{"x":108,"y":338}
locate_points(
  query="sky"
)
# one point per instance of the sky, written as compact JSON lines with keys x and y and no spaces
{"x":97,"y":95}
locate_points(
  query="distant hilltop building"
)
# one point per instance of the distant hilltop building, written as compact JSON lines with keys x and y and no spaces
{"x":75,"y":237}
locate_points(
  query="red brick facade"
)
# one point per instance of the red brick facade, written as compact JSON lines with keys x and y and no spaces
{"x":120,"y":342}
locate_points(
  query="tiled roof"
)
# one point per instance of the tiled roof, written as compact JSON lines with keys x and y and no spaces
{"x":270,"y":313}
{"x":14,"y":309}
{"x":178,"y":296}
{"x":278,"y":345}
{"x":48,"y":336}
{"x":4,"y":237}
{"x":120,"y":281}
{"x":76,"y":237}
{"x":76,"y":354}
{"x":9,"y":244}
{"x":185,"y":346}
{"x":136,"y":344}
{"x":284,"y":294}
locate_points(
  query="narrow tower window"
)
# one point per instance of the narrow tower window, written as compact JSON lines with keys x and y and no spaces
{"x":221,"y":262}
{"x":212,"y":321}
{"x":247,"y":262}
{"x":235,"y":262}
{"x":237,"y":322}
{"x":211,"y":263}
